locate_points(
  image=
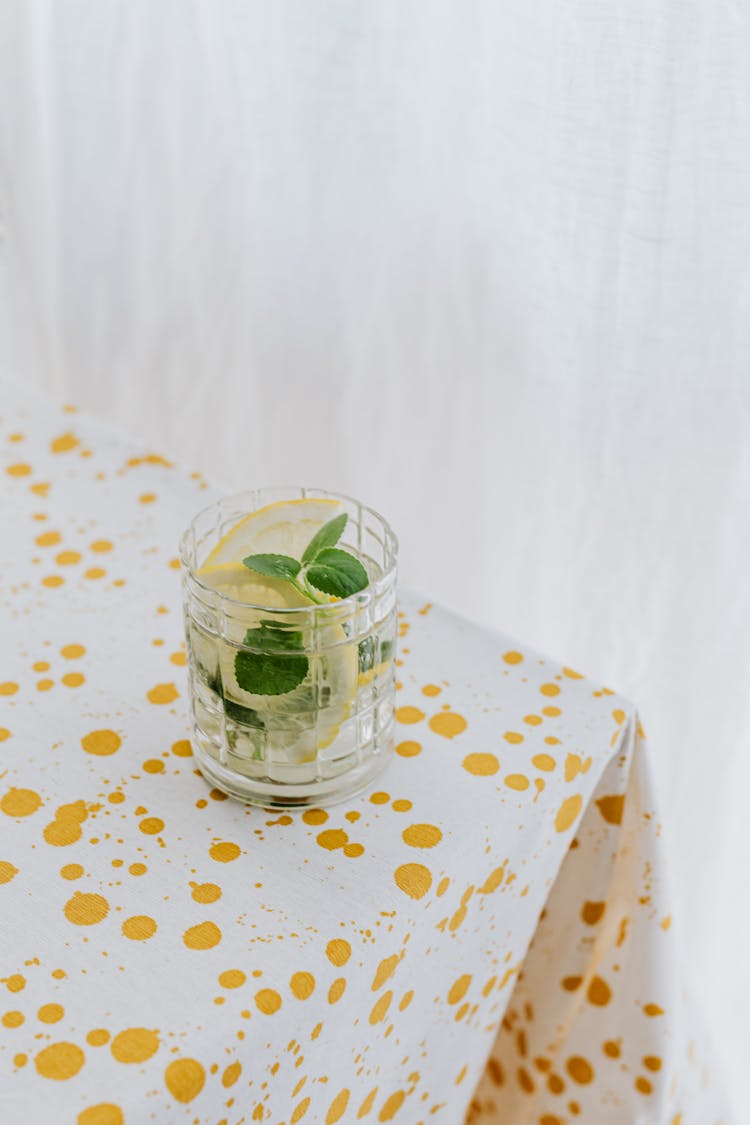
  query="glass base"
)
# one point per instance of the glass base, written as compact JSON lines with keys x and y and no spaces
{"x":270,"y":794}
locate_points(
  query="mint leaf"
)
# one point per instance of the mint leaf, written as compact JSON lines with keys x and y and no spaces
{"x":337,"y":572}
{"x":273,"y":566}
{"x":326,"y":536}
{"x":269,"y":673}
{"x":273,"y":636}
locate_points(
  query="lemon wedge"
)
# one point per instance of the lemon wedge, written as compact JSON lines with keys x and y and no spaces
{"x":283,"y":528}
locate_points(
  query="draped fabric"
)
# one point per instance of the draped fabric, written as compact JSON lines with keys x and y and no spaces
{"x":482,"y":265}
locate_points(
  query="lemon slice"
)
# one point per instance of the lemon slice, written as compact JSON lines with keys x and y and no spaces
{"x":283,"y":528}
{"x":295,"y":726}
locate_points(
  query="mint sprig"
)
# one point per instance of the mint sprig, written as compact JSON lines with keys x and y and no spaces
{"x":324,"y":567}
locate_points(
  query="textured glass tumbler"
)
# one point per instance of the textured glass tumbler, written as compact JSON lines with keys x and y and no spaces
{"x":331,"y":734}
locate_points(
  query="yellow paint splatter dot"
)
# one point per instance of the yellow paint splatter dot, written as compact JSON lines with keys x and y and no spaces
{"x":422,"y":835}
{"x":86,"y":909}
{"x":152,"y":825}
{"x":459,"y":988}
{"x":203,"y":936}
{"x":44,"y":685}
{"x":267,"y":1001}
{"x":7,"y":871}
{"x":611,"y":808}
{"x":598,"y":992}
{"x":12,"y":1019}
{"x":392,"y":1106}
{"x":163,"y":693}
{"x":73,"y":679}
{"x":153,"y":765}
{"x":53,"y":580}
{"x":64,"y":443}
{"x":332,"y":838}
{"x":4,"y":734}
{"x":40,"y":666}
{"x":15,"y":983}
{"x":643,"y":1086}
{"x":338,"y":951}
{"x":20,"y":802}
{"x":413,"y":879}
{"x":60,"y":1061}
{"x":513,"y":737}
{"x":179,"y":659}
{"x":481,"y":765}
{"x":101,"y":742}
{"x":8,"y":688}
{"x":611,"y":1048}
{"x":182,"y":748}
{"x":71,"y":871}
{"x":337,"y":1108}
{"x":653,"y":1010}
{"x":147,"y":497}
{"x":409,"y":715}
{"x":97,"y":1037}
{"x":299,"y":1111}
{"x":20,"y":1059}
{"x":51,"y":1013}
{"x":385,"y":971}
{"x":302,"y":985}
{"x":550,"y":689}
{"x":232,"y":978}
{"x":106,"y":1113}
{"x":231,"y":1074}
{"x":48,"y":539}
{"x":139,"y":928}
{"x":101,"y":546}
{"x":551,"y":712}
{"x":580,"y":1070}
{"x":493,"y":881}
{"x":380,"y":1007}
{"x":517,"y":781}
{"x":20,"y":469}
{"x":448,"y":724}
{"x":408,"y":749}
{"x":94,"y":573}
{"x":206,"y":892}
{"x":568,"y":812}
{"x":315,"y":816}
{"x":380,"y":798}
{"x":336,"y":991}
{"x":135,"y":1045}
{"x":544,"y":762}
{"x":401,"y":805}
{"x":591,"y":912}
{"x":185,"y":1078}
{"x":138,"y":869}
{"x":225,"y":852}
{"x":431,"y":690}
{"x":67,"y":558}
{"x":512,"y":657}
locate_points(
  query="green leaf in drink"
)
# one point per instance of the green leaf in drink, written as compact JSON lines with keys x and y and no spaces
{"x":273,"y":566}
{"x":337,"y":572}
{"x":326,"y":536}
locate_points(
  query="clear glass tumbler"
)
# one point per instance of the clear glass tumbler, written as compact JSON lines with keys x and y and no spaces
{"x":332,"y":732}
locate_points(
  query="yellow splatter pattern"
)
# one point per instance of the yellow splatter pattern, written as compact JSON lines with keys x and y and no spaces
{"x":176,"y":953}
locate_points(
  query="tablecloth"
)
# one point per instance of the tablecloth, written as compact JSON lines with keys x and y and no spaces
{"x":483,"y":936}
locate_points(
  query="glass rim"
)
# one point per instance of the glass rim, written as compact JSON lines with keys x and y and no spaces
{"x":383,"y":580}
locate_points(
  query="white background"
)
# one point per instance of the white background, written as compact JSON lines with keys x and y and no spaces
{"x":483,"y":264}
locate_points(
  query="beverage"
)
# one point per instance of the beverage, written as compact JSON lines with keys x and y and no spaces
{"x":290,"y":613}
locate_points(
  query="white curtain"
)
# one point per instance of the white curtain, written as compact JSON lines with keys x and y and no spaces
{"x":483,"y":264}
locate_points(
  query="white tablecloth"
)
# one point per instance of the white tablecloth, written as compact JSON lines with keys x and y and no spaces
{"x":483,"y":936}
